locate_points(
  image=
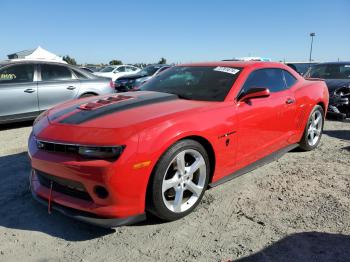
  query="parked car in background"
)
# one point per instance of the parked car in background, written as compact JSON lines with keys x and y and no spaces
{"x":300,"y":67}
{"x":114,"y":72}
{"x":126,"y":83}
{"x":30,"y":87}
{"x":111,"y":160}
{"x":337,"y":77}
{"x":87,"y":69}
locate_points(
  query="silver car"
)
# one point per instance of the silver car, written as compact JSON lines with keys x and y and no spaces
{"x":29,"y":87}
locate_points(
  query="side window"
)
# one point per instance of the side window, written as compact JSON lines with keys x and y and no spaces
{"x":79,"y":75}
{"x":289,"y":78}
{"x":17,"y":74}
{"x":121,"y":69}
{"x":55,"y":73}
{"x":271,"y":78}
{"x":129,"y":69}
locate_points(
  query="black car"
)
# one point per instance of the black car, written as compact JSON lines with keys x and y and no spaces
{"x":337,"y":78}
{"x":301,"y":67}
{"x":129,"y":82}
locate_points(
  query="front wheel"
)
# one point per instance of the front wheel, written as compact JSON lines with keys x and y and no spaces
{"x":179,"y":180}
{"x":313,"y":129}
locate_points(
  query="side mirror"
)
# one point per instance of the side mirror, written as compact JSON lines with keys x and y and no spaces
{"x":257,"y":92}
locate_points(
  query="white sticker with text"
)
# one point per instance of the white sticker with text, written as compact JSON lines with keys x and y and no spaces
{"x":228,"y":70}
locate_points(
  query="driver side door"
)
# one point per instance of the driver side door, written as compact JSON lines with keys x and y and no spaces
{"x":259,"y":120}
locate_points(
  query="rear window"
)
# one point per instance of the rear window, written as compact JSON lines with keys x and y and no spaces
{"x":330,"y":71}
{"x":17,"y":74}
{"x":206,"y":83}
{"x":107,"y":69}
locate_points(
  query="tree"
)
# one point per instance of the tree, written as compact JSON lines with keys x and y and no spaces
{"x":162,"y":61}
{"x":115,"y":62}
{"x":69,"y":60}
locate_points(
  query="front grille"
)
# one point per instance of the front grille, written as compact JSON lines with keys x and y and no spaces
{"x":64,"y":186}
{"x":56,"y":147}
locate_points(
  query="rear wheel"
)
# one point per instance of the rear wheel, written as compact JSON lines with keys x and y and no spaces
{"x":180,"y":179}
{"x":313,"y":129}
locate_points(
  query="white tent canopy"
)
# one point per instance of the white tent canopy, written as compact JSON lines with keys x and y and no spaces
{"x":42,"y":54}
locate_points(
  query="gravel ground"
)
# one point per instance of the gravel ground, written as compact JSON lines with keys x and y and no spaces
{"x":294,"y":209}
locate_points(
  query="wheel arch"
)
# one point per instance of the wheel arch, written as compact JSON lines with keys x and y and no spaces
{"x":201,"y":140}
{"x":88,"y":93}
{"x":321,"y":103}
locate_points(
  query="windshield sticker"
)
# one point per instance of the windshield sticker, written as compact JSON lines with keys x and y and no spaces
{"x":7,"y":77}
{"x":228,"y":70}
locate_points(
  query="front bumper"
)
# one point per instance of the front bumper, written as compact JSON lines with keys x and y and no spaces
{"x":125,"y":203}
{"x":91,"y":218}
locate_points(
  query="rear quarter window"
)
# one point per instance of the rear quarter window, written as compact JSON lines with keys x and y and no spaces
{"x":79,"y":75}
{"x":289,"y":78}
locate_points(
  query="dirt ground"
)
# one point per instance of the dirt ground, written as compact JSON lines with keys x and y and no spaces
{"x":294,"y":209}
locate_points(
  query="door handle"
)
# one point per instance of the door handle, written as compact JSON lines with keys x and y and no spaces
{"x":71,"y":87}
{"x":29,"y":90}
{"x":290,"y":101}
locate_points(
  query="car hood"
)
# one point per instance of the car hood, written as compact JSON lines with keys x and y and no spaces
{"x":119,"y":115}
{"x":333,"y":84}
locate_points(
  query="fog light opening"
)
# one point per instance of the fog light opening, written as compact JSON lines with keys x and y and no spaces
{"x":101,"y":192}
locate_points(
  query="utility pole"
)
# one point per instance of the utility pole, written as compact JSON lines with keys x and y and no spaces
{"x":312,"y":40}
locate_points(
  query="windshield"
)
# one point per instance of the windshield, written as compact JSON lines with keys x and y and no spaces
{"x":107,"y":69}
{"x":205,"y":83}
{"x":149,"y":70}
{"x":330,"y":71}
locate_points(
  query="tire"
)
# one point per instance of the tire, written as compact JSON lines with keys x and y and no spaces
{"x":87,"y":95}
{"x":172,"y":178}
{"x":313,"y":132}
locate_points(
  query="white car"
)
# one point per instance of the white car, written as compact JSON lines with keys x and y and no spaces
{"x":115,"y":72}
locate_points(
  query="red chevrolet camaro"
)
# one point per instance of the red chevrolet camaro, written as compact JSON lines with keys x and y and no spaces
{"x":109,"y":160}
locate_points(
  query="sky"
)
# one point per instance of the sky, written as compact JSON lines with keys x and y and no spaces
{"x":181,"y":31}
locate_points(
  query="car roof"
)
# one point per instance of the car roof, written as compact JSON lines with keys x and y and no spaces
{"x":298,"y":63}
{"x":237,"y":64}
{"x":335,"y":63}
{"x":158,"y":65}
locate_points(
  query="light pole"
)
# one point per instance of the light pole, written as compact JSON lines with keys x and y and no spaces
{"x":312,"y":40}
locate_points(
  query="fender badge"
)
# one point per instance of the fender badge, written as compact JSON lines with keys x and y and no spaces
{"x":226,"y":135}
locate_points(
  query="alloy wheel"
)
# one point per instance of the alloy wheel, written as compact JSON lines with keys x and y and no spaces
{"x":184,"y":180}
{"x":315,"y":128}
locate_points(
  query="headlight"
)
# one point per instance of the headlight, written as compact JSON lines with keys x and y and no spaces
{"x":101,"y":152}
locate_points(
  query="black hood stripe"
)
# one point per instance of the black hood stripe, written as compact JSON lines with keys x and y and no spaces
{"x":86,"y":115}
{"x":65,"y":111}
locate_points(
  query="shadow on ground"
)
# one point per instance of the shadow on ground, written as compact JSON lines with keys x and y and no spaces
{"x":15,"y":125}
{"x":306,"y":246}
{"x":20,"y":211}
{"x":340,"y":134}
